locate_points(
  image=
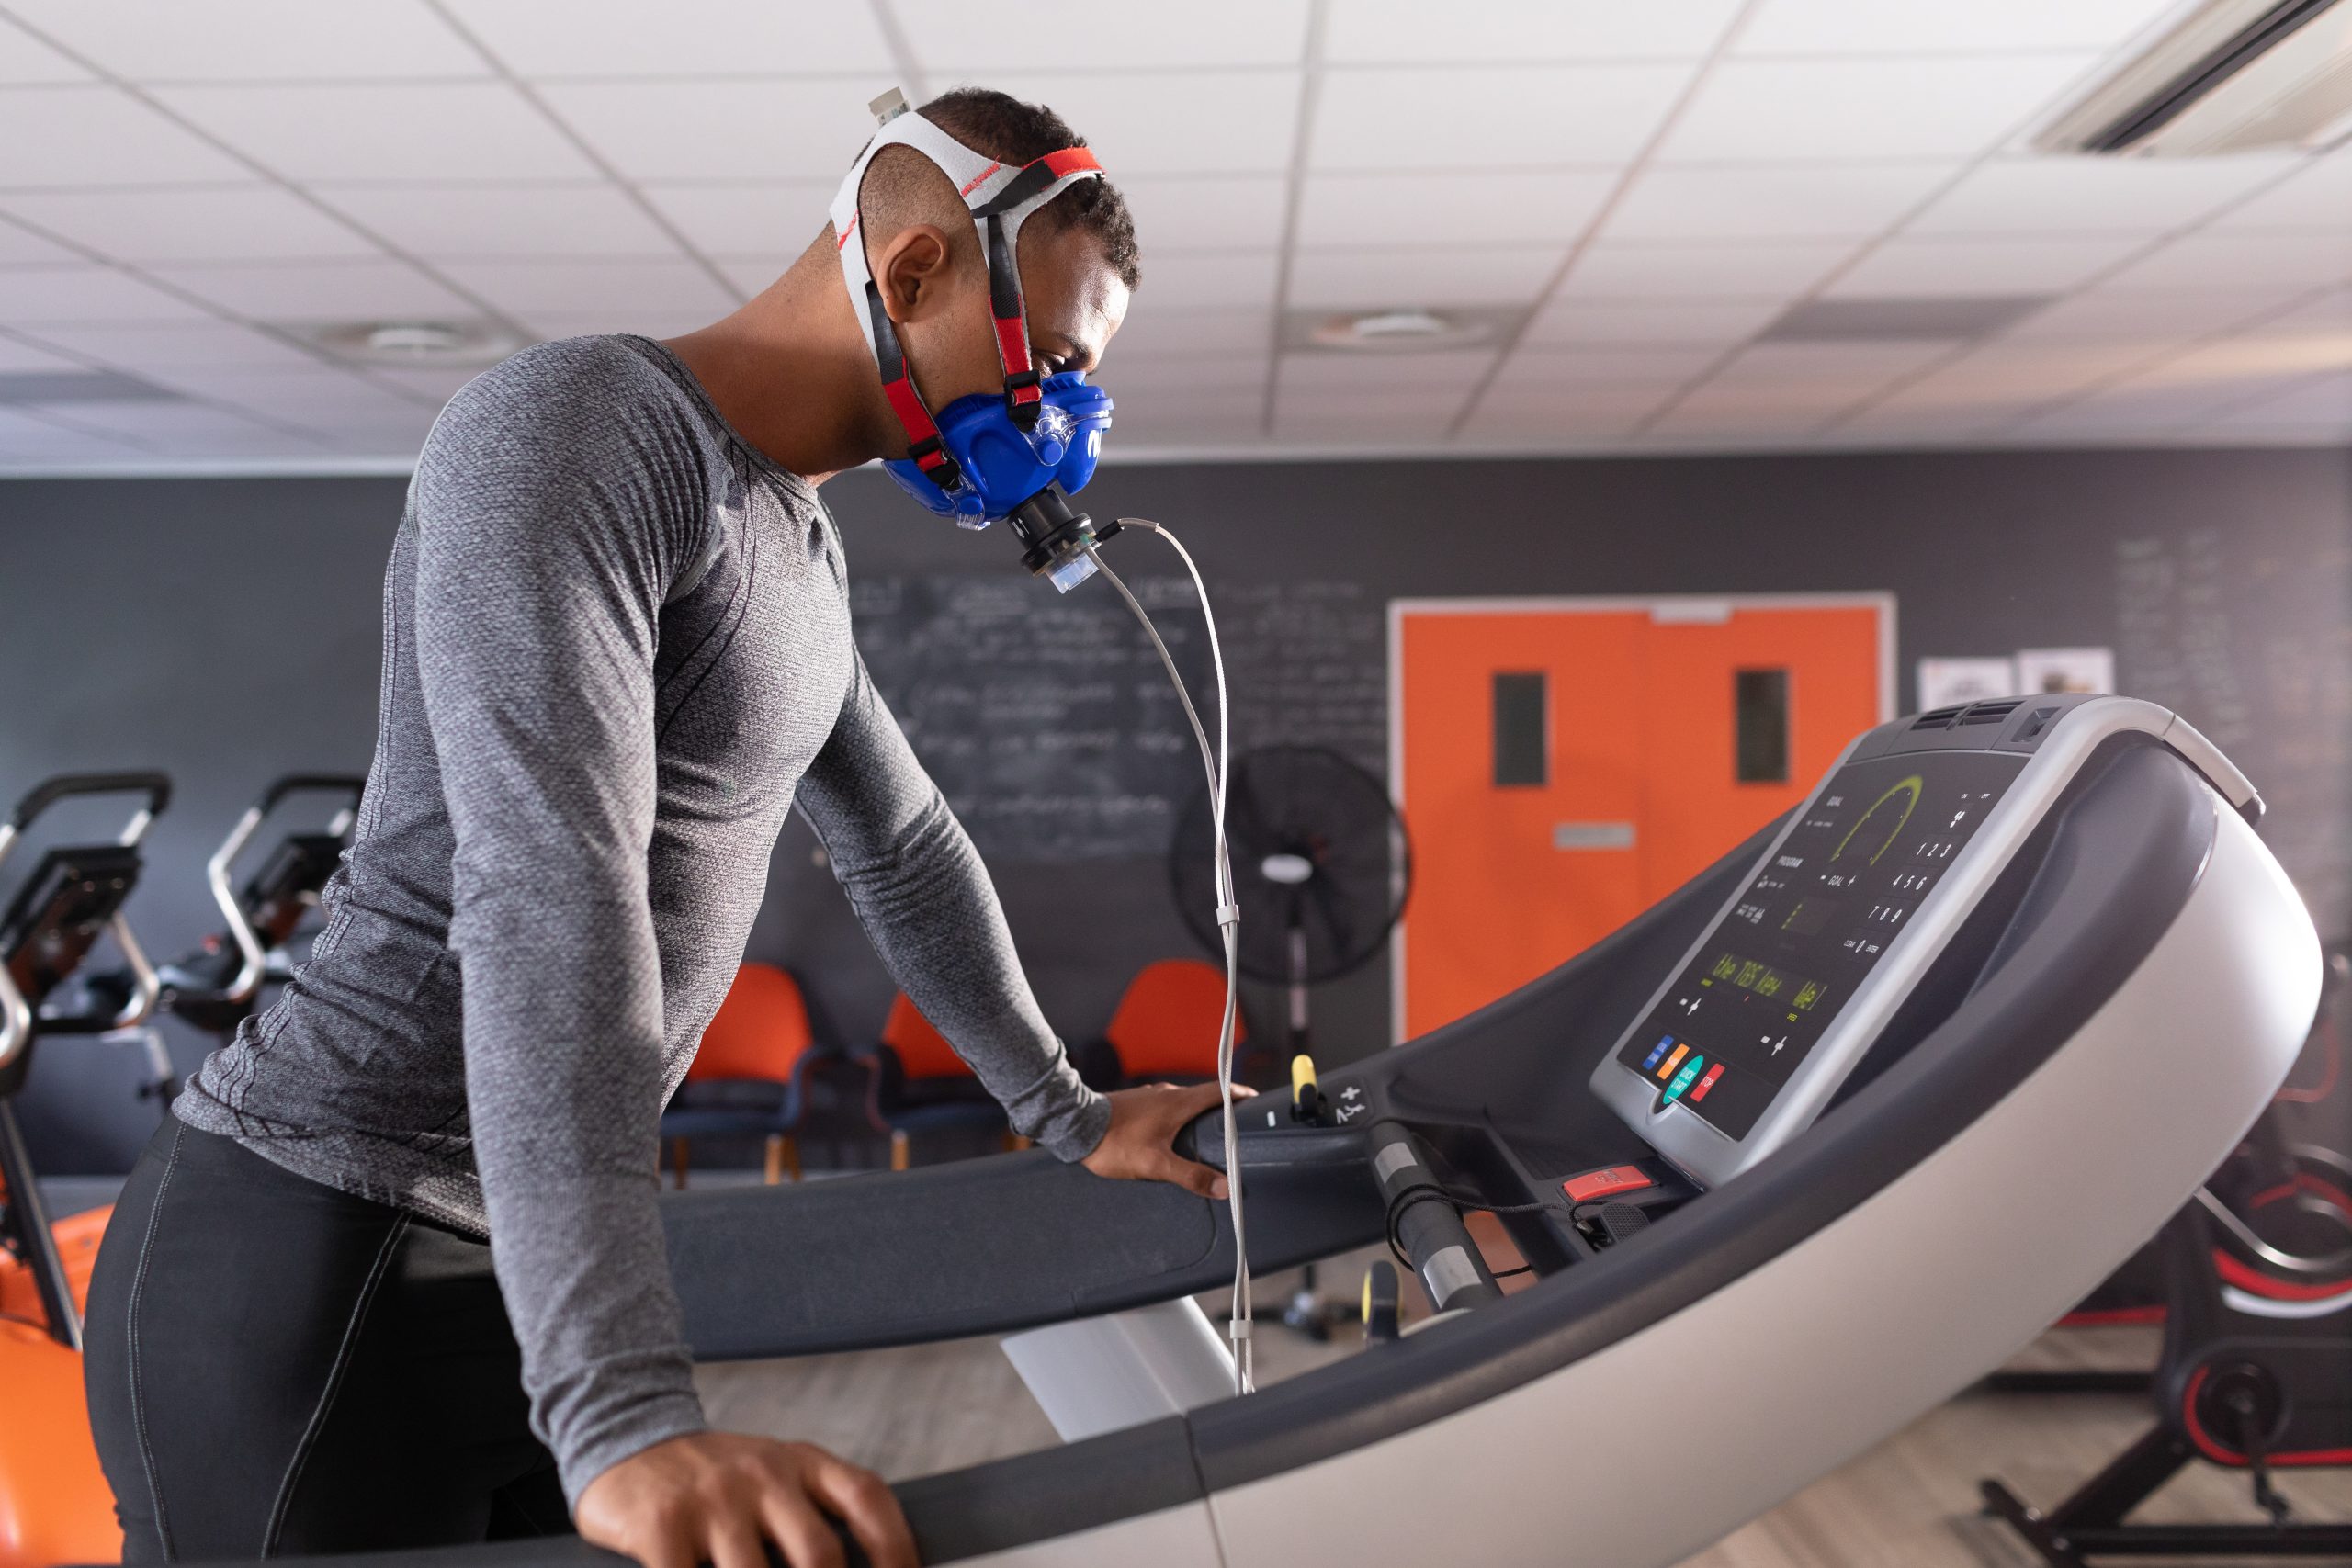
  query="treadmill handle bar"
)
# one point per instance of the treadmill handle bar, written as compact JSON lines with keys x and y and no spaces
{"x":1428,"y":1226}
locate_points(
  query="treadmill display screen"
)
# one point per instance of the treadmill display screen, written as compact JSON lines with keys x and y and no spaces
{"x":1744,"y":1015}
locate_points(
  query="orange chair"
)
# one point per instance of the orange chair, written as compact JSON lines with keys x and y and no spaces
{"x":749,"y":1073}
{"x":916,"y":1082}
{"x":1166,"y":1028}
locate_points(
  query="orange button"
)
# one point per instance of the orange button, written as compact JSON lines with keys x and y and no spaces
{"x":1606,"y":1182}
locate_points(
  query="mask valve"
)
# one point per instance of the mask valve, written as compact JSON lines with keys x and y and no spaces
{"x":1056,"y":540}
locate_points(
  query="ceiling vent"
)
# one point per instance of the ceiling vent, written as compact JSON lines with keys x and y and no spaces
{"x":34,"y":388}
{"x":1942,"y":319}
{"x":2231,"y":76}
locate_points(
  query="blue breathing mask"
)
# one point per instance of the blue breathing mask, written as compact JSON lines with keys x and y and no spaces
{"x":997,"y":465}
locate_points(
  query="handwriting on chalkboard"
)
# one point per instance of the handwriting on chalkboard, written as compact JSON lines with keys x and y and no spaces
{"x":1049,"y":723}
{"x":2231,"y":639}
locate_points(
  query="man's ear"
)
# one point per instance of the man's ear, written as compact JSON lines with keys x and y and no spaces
{"x":913,"y":271}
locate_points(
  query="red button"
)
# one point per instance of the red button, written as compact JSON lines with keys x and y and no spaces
{"x":1699,"y":1091}
{"x":1605,"y":1183}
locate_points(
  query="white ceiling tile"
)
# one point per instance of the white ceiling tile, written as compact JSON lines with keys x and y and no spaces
{"x":721,"y":130}
{"x":1368,"y":279}
{"x":35,"y":294}
{"x":692,"y":38}
{"x":26,"y":441}
{"x":389,"y":435}
{"x":2135,"y":315}
{"x":2257,"y":360}
{"x":1765,"y":110}
{"x":1725,"y":416}
{"x":1415,"y":32}
{"x":1456,"y":209}
{"x":1775,"y":202}
{"x":1499,"y":116}
{"x":955,"y":40}
{"x":1906,"y":266}
{"x":376,"y":131}
{"x":1829,"y":364}
{"x":437,"y":384}
{"x":2071,"y":196}
{"x":1571,"y":319}
{"x":2320,"y":400}
{"x":648,"y":321}
{"x":99,"y":136}
{"x":1216,"y":212}
{"x":1225,"y":374}
{"x":22,"y":247}
{"x":1155,"y":329}
{"x":1602,"y":366}
{"x":2329,"y":312}
{"x":288,"y":394}
{"x":2022,"y":375}
{"x":746,"y":218}
{"x":1326,"y":415}
{"x":324,"y":291}
{"x":755,"y":275}
{"x":1440,"y":371}
{"x":2148,"y":408}
{"x":2245,"y":261}
{"x":15,"y":355}
{"x":208,"y":223}
{"x":249,"y":40}
{"x":1558,"y":417}
{"x":1191,"y":282}
{"x":1612,"y":270}
{"x":174,"y":424}
{"x":24,"y":59}
{"x":1874,"y":26}
{"x":448,"y":222}
{"x":2317,"y":198}
{"x":531,"y":289}
{"x":1168,"y":416}
{"x":1186,"y":123}
{"x":166,"y":346}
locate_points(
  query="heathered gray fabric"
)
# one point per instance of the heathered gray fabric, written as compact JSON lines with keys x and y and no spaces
{"x":617,"y":649}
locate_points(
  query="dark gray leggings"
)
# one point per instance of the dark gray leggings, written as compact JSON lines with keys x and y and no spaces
{"x":276,"y":1368}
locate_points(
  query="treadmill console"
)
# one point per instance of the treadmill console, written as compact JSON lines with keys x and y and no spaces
{"x":1748,"y":1040}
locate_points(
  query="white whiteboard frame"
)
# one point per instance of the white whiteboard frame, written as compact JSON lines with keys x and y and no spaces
{"x":1687,"y":608}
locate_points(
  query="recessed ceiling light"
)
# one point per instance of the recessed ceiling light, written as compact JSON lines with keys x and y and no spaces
{"x":417,"y":343}
{"x":1405,"y":330}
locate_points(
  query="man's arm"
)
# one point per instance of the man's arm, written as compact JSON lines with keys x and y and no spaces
{"x":925,"y":901}
{"x":541,"y":567}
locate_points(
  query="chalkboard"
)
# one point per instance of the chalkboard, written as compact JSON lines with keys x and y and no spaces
{"x":2253,"y":645}
{"x":1049,"y":723}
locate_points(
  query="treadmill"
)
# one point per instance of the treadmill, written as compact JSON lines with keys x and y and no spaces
{"x":1798,"y":1154}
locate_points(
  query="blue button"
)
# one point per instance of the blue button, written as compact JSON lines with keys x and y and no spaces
{"x":1657,"y":1052}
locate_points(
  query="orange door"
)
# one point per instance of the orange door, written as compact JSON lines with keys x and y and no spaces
{"x":1562,"y":768}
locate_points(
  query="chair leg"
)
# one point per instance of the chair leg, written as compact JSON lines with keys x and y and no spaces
{"x":898,"y":1152}
{"x":678,"y":1163}
{"x":1013,"y":1141}
{"x":790,"y":1149}
{"x":784,"y":1155}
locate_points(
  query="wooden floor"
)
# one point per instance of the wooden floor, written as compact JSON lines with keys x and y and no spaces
{"x":1911,"y":1502}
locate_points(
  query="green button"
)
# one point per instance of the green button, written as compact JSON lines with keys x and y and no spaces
{"x":1685,"y":1078}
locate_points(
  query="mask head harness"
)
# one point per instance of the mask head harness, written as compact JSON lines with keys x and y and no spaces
{"x":986,"y":456}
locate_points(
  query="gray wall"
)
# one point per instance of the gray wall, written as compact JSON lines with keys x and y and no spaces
{"x":226,"y":630}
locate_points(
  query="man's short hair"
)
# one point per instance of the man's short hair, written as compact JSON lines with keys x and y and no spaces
{"x":1002,"y":126}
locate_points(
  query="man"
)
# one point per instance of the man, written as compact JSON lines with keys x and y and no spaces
{"x":617,"y":652}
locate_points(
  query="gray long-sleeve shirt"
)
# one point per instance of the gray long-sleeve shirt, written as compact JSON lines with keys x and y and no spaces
{"x":617,"y":650}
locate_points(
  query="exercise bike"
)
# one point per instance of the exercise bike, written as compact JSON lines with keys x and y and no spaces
{"x":2255,"y":1369}
{"x":54,"y":1503}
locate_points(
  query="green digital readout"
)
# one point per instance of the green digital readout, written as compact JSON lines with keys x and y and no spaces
{"x":1761,"y":979}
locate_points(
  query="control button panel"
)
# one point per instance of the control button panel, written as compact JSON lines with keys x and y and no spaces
{"x":1851,"y":877}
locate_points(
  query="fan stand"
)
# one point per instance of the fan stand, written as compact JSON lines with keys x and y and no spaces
{"x":1309,"y":1312}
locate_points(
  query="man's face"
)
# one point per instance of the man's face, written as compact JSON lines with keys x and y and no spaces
{"x":1075,"y":304}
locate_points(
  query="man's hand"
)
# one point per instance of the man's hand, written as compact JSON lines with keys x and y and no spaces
{"x":718,"y":1498}
{"x":1144,"y":1125}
